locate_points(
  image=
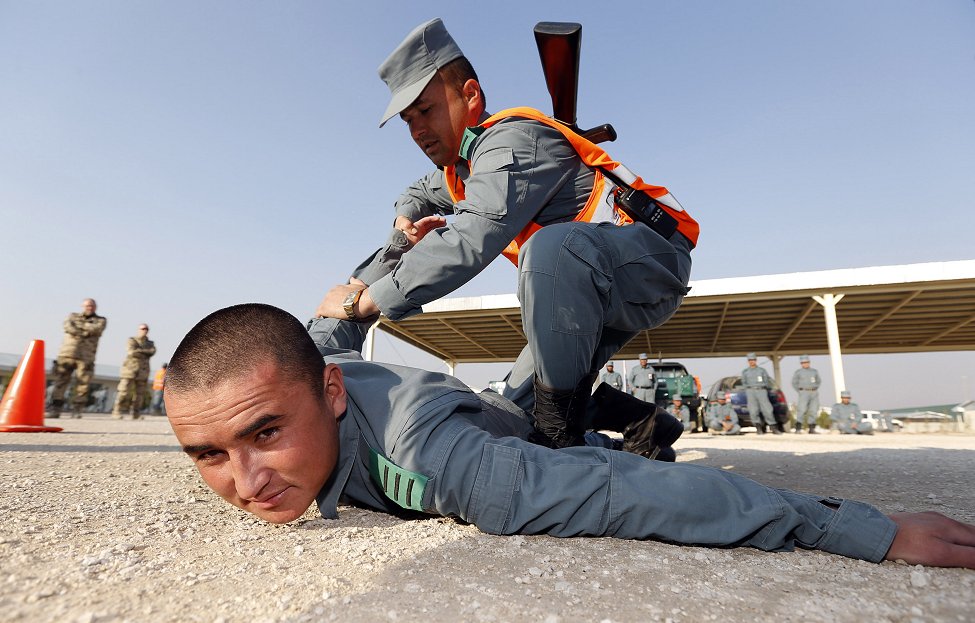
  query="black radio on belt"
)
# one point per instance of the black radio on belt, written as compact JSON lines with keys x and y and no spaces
{"x":641,"y":207}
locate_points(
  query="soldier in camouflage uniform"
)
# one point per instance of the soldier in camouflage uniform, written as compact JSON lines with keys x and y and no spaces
{"x":611,"y":378}
{"x":77,"y":356}
{"x":757,"y":382}
{"x":846,"y":417}
{"x":722,"y":418}
{"x":135,"y":374}
{"x":641,"y":381}
{"x":806,"y":382}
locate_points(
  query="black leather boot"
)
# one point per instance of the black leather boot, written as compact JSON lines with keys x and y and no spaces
{"x":646,"y":429}
{"x":560,"y":414}
{"x":812,"y":429}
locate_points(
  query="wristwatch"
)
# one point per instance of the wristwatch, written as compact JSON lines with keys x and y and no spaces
{"x":349,"y":304}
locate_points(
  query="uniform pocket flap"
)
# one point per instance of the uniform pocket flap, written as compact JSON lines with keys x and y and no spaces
{"x":494,"y":487}
{"x":493,"y":160}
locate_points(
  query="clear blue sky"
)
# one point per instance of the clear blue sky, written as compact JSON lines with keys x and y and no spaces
{"x":170,"y":158}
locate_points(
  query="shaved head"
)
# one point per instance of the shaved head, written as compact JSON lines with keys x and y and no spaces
{"x":234,"y":341}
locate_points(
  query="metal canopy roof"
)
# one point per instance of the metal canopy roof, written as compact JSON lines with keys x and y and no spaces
{"x":887,"y":309}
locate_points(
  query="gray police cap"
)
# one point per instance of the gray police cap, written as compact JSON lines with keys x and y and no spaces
{"x":803,"y":358}
{"x":609,"y":363}
{"x":844,"y":394}
{"x":643,"y":356}
{"x":751,"y":356}
{"x":415,"y":62}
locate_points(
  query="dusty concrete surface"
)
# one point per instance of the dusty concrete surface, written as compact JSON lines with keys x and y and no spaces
{"x":107,"y":521}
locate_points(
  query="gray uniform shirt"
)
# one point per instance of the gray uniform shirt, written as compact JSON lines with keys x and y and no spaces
{"x":472,"y":450}
{"x":520,"y":170}
{"x":756,"y":378}
{"x":843,"y":414}
{"x":643,"y":378}
{"x":613,"y":378}
{"x":806,"y":379}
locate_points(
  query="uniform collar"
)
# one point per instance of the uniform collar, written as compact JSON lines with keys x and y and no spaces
{"x":328,"y":498}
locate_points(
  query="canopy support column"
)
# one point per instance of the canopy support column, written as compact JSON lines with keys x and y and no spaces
{"x":829,"y":302}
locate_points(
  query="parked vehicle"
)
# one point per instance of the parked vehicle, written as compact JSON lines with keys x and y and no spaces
{"x":736,"y":392}
{"x":673,"y":379}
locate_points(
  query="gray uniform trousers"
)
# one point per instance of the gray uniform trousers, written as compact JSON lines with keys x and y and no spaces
{"x":646,"y":394}
{"x":759,"y":406}
{"x":585,"y":290}
{"x":807,"y":407}
{"x":471,"y":453}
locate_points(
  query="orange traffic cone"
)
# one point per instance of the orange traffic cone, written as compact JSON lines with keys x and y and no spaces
{"x":22,"y":408}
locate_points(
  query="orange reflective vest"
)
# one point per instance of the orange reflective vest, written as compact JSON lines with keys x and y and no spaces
{"x":159,"y":380}
{"x":600,"y":206}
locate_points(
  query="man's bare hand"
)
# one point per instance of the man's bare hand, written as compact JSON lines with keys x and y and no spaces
{"x":415,"y":231}
{"x":932,"y":539}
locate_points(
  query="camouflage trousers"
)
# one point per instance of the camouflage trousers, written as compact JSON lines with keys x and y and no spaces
{"x":83,"y":372}
{"x":124,"y":399}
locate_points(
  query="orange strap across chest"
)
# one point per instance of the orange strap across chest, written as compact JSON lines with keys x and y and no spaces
{"x":595,"y":158}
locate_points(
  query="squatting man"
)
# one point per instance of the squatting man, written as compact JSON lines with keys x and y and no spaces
{"x":276,"y":415}
{"x":520,"y":184}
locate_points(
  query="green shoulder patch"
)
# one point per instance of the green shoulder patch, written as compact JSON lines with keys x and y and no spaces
{"x":401,"y":486}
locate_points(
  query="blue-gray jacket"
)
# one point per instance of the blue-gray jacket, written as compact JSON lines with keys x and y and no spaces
{"x":466,"y":456}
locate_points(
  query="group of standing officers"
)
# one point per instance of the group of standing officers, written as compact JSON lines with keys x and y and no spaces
{"x":82,"y":332}
{"x":721,"y":417}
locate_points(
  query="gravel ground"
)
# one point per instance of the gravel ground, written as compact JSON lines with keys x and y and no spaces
{"x":107,"y":521}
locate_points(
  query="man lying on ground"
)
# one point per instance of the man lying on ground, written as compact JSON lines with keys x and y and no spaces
{"x":276,"y":417}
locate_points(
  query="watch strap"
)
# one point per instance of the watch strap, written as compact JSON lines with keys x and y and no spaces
{"x":349,"y":304}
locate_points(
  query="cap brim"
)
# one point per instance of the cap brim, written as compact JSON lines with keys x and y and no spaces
{"x":406,"y":96}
